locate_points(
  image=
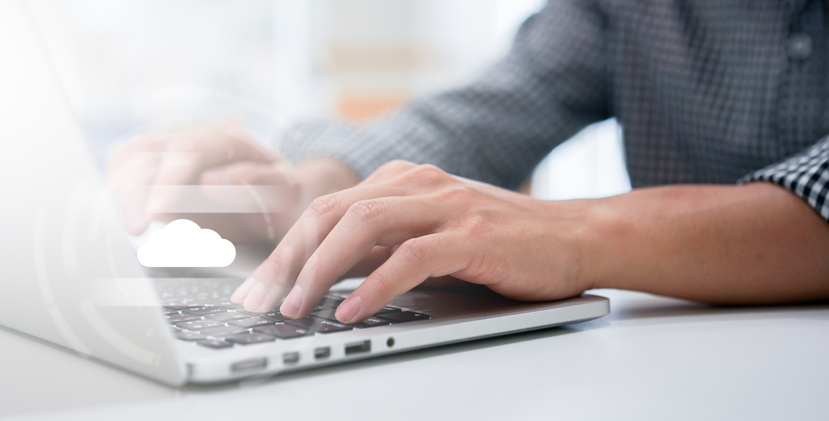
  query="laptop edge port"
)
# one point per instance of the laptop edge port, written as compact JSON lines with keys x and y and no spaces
{"x":321,"y":353}
{"x":358,"y":347}
{"x":290,"y":357}
{"x":251,"y":364}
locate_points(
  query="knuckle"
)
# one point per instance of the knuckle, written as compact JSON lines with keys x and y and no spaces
{"x":453,"y":193}
{"x":476,"y":224}
{"x":382,"y":284}
{"x":366,"y":210}
{"x":324,"y":204}
{"x":415,"y":251}
{"x":396,"y":165}
{"x":427,"y":174}
{"x":273,"y":263}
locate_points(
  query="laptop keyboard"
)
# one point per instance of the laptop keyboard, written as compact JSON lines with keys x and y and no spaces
{"x":200,"y":311}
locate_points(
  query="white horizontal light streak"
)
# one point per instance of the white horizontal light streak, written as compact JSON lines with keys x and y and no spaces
{"x":220,"y":199}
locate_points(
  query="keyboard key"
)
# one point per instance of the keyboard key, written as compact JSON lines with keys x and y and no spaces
{"x":403,"y":316}
{"x":327,"y":314}
{"x":199,"y":325}
{"x":227,"y":316}
{"x":319,"y":325}
{"x":203,"y":310}
{"x":250,"y":338}
{"x":223,"y":331}
{"x":283,"y":331}
{"x":388,"y":309}
{"x":176,"y":318}
{"x":180,"y":302}
{"x":251,"y":322}
{"x":189,"y":336}
{"x":227,"y":304}
{"x":330,"y":302}
{"x":371,"y":322}
{"x":273,"y":315}
{"x":214,"y":343}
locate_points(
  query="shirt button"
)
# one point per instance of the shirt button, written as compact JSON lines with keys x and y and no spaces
{"x":799,"y":46}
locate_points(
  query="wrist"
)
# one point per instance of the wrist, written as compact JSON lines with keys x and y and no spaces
{"x":600,"y":239}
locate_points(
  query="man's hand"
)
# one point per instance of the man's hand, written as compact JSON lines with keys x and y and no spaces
{"x":186,"y":174}
{"x":419,"y":222}
{"x":751,"y":244}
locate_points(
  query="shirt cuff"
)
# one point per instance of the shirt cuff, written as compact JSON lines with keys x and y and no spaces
{"x":805,"y":174}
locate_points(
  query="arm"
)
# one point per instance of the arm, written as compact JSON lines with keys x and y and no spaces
{"x":552,"y":83}
{"x":762,"y":242}
{"x":756,"y":243}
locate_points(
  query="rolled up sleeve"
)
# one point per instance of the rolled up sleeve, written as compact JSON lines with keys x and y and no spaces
{"x":805,"y":174}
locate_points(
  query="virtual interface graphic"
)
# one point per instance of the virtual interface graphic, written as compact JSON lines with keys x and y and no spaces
{"x":182,"y":243}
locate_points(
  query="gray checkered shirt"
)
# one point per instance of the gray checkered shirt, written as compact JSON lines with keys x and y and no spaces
{"x":707,"y":91}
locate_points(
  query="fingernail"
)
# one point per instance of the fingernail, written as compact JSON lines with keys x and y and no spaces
{"x":290,"y":307}
{"x":347,"y":311}
{"x":241,"y":293}
{"x":255,"y":298}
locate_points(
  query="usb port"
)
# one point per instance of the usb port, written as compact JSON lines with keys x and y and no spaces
{"x":290,"y":357}
{"x":321,"y":353}
{"x":358,"y":347}
{"x":252,"y":364}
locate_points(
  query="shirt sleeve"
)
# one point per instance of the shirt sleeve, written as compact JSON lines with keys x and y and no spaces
{"x":805,"y":174}
{"x":552,"y":83}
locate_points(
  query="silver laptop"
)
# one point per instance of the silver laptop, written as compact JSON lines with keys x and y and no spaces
{"x":71,"y":277}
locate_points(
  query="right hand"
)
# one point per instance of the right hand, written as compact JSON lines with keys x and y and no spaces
{"x":143,"y":171}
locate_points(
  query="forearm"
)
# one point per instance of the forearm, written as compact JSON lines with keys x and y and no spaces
{"x":756,"y":243}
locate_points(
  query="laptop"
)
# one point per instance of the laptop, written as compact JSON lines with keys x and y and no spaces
{"x":71,"y":276}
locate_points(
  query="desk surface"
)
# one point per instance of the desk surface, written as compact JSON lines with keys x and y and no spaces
{"x":651,"y":358}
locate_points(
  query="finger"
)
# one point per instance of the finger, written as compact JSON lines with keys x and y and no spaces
{"x":412,"y":263}
{"x":269,"y":193}
{"x":242,"y":291}
{"x":195,"y":151}
{"x":174,"y":169}
{"x":229,"y":142}
{"x":389,"y":170}
{"x":250,"y":173}
{"x":272,"y":188}
{"x":377,"y":222}
{"x":376,"y":257}
{"x":277,"y":274}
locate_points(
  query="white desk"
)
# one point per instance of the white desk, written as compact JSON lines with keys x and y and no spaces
{"x":652,"y":358}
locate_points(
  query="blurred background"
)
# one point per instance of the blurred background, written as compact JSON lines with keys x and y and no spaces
{"x":132,"y":66}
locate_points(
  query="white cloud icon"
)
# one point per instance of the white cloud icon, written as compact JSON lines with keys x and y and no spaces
{"x":182,"y":243}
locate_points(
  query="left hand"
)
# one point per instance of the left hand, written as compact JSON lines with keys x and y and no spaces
{"x":406,"y":223}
